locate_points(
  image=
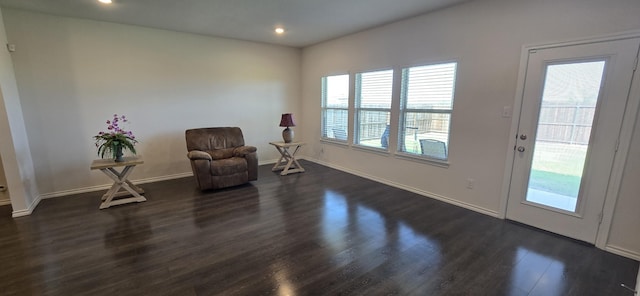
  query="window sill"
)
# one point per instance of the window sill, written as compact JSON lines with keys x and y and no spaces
{"x":374,"y":150}
{"x":432,"y":161}
{"x":334,"y":142}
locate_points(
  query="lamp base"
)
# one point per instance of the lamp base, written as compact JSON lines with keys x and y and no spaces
{"x":287,"y":135}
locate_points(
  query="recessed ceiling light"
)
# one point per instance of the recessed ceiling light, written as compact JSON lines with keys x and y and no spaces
{"x":279,"y":30}
{"x":105,"y":1}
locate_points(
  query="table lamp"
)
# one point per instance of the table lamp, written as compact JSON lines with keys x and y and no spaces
{"x":287,"y":133}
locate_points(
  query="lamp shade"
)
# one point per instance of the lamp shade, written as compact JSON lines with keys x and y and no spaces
{"x":287,"y":120}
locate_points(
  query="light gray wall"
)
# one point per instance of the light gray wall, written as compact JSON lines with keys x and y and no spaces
{"x":486,"y":38}
{"x":624,"y":230}
{"x":14,"y":145}
{"x":4,"y":195}
{"x":74,"y":74}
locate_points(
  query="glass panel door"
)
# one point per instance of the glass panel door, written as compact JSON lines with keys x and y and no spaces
{"x":571,"y":112}
{"x":567,"y":111}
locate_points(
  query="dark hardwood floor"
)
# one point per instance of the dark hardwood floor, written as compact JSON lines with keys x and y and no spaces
{"x":323,"y":232}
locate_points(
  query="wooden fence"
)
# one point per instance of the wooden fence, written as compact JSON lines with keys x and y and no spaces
{"x":565,"y":124}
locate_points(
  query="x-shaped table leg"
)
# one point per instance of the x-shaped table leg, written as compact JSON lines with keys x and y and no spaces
{"x":287,"y":160}
{"x":120,"y":180}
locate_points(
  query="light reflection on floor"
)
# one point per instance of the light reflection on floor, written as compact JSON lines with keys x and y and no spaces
{"x":390,"y":241}
{"x":334,"y":220}
{"x":536,"y":271}
{"x":370,"y":228}
{"x":284,"y":284}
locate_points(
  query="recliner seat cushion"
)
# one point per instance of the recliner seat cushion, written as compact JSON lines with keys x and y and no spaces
{"x":228,"y":166}
{"x":229,"y":180}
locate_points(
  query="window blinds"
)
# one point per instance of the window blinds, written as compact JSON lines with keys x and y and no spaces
{"x":429,"y":87}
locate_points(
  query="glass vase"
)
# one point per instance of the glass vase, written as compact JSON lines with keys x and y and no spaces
{"x":118,"y":153}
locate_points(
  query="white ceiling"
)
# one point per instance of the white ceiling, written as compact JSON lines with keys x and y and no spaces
{"x":307,"y":21}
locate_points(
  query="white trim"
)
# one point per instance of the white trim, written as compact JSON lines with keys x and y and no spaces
{"x":619,"y":162}
{"x":423,"y":159}
{"x":623,"y":252}
{"x":515,"y":123}
{"x":449,"y":200}
{"x":271,"y":161}
{"x":29,"y":210}
{"x":162,"y":178}
{"x":107,"y":186}
{"x":374,"y":150}
{"x":138,"y":181}
{"x":4,"y":202}
{"x":593,"y":39}
{"x":75,"y":191}
{"x":625,"y":134}
{"x":341,"y":143}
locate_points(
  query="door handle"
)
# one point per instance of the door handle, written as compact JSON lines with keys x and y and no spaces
{"x":521,"y":149}
{"x":523,"y":137}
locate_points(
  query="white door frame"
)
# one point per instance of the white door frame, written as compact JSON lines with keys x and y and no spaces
{"x":626,"y":132}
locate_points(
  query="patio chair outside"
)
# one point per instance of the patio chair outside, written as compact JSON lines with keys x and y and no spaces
{"x":339,"y":134}
{"x":434,"y":148}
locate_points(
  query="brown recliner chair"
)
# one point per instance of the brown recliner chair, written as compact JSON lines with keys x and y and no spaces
{"x":219,"y":157}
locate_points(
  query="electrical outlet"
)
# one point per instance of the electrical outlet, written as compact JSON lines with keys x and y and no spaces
{"x":470,"y":183}
{"x":506,"y":111}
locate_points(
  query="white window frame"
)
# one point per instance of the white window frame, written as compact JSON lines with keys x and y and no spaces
{"x":358,"y":110}
{"x":404,"y":111}
{"x":324,"y":132}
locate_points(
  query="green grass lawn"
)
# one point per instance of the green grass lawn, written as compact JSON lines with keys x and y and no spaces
{"x":567,"y":185}
{"x":558,"y":168}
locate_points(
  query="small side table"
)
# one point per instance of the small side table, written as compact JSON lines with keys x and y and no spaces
{"x":120,"y":180}
{"x":287,"y":161}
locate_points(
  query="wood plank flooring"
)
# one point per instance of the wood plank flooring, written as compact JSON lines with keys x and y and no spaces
{"x":323,"y":232}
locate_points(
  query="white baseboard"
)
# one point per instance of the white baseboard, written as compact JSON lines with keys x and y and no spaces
{"x":162,"y":178}
{"x":107,"y":186}
{"x":4,"y":202}
{"x":29,"y":210}
{"x":272,"y":161}
{"x":425,"y":193}
{"x":623,"y":252}
{"x":138,"y":181}
{"x":629,"y":254}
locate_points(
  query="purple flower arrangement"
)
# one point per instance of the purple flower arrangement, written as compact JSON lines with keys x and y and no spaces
{"x":115,"y":140}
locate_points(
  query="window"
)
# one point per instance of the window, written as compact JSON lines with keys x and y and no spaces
{"x":373,"y":108}
{"x":425,"y":109}
{"x":335,"y":107}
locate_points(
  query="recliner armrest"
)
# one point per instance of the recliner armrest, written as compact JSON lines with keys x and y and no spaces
{"x":242,"y":151}
{"x":197,"y":154}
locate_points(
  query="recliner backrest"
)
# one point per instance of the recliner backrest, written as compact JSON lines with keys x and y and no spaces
{"x":214,"y":138}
